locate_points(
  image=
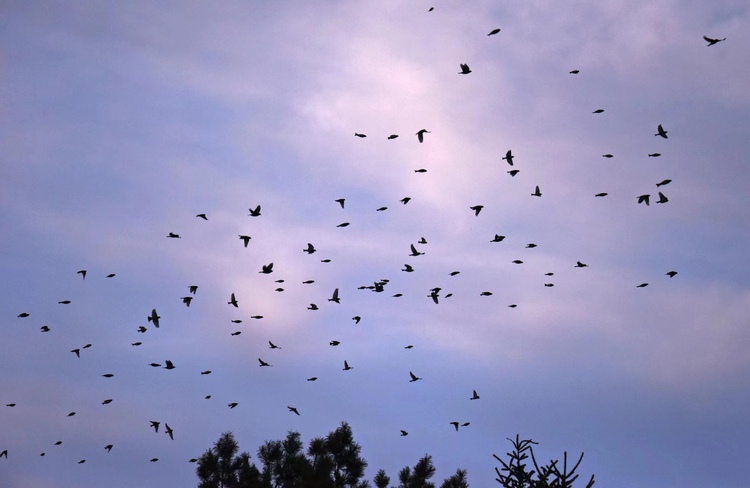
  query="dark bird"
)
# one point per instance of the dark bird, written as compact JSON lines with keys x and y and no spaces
{"x":413,"y":377}
{"x":405,"y":200}
{"x":661,"y":132}
{"x":465,"y":424}
{"x":662,"y":198}
{"x":334,"y":343}
{"x":485,"y":294}
{"x":233,"y":301}
{"x":671,"y":274}
{"x":422,"y":240}
{"x":493,"y":32}
{"x":608,"y":156}
{"x":136,"y":343}
{"x":580,"y":265}
{"x":340,"y":201}
{"x":530,"y":245}
{"x":44,"y":328}
{"x":254,"y":212}
{"x":202,"y":216}
{"x":271,"y":345}
{"x":654,"y":155}
{"x":237,"y":321}
{"x":517,"y":261}
{"x":359,"y":135}
{"x":153,"y":460}
{"x":335,"y":296}
{"x":356,"y":319}
{"x":263,"y":363}
{"x":142,"y":329}
{"x":233,"y":404}
{"x":404,"y":433}
{"x":310,"y":249}
{"x":598,"y":111}
{"x":407,"y":268}
{"x":392,"y":136}
{"x":266,"y":268}
{"x":434,"y":295}
{"x":82,"y":273}
{"x":313,"y":378}
{"x":168,"y":430}
{"x":711,"y":42}
{"x":308,"y":282}
{"x":477,"y":209}
{"x":454,"y":273}
{"x":549,"y":285}
{"x":536,"y":193}
{"x":343,"y":224}
{"x":408,"y":347}
{"x":642,"y":285}
{"x":81,"y":461}
{"x":474,"y":395}
{"x":245,"y":240}
{"x":169,"y":364}
{"x":663,"y":182}
{"x":154,"y":318}
{"x":4,"y":454}
{"x":155,"y":425}
{"x":574,"y":72}
{"x":509,"y":157}
{"x":293,"y":410}
{"x":312,"y":307}
{"x":514,"y":172}
{"x":58,"y":443}
{"x":206,"y":372}
{"x":497,"y":238}
{"x":346,"y":366}
{"x":236,"y":333}
{"x":256,"y":317}
{"x":155,"y":365}
{"x":380,"y":209}
{"x":644,"y":199}
{"x":193,"y":289}
{"x":77,"y":351}
{"x":421,"y":170}
{"x":109,"y":447}
{"x":107,"y":401}
{"x":23,"y":314}
{"x":421,"y":133}
{"x":172,"y":235}
{"x":455,"y":424}
{"x":414,"y":251}
{"x":10,"y":404}
{"x":464,"y":69}
{"x":64,"y":302}
{"x":86,"y":346}
{"x":601,"y":194}
{"x":186,"y":300}
{"x":193,"y":460}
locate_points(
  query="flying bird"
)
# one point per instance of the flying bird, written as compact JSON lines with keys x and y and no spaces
{"x":485,"y":294}
{"x":711,"y":41}
{"x":293,"y":410}
{"x":356,"y":319}
{"x":155,"y":425}
{"x":310,"y":249}
{"x":530,"y":245}
{"x":82,"y":273}
{"x":392,"y":136}
{"x":169,"y":364}
{"x":380,"y":209}
{"x":643,"y":199}
{"x":23,"y":314}
{"x":172,"y":235}
{"x":64,"y":302}
{"x":671,"y":274}
{"x":413,"y":377}
{"x":168,"y":430}
{"x":340,"y":201}
{"x":574,"y":72}
{"x":263,"y":363}
{"x":233,"y":404}
{"x":359,"y":135}
{"x":654,"y":155}
{"x":271,"y":345}
{"x":608,"y":156}
{"x":254,"y":212}
{"x":202,"y":216}
{"x":536,"y":193}
{"x":642,"y":285}
{"x":312,"y":307}
{"x":107,"y":401}
{"x":598,"y":111}
{"x":335,"y":296}
{"x":421,"y":170}
{"x":334,"y":343}
{"x":186,"y":300}
{"x":497,"y":238}
{"x":45,"y":328}
{"x":154,"y":318}
{"x":474,"y":395}
{"x":404,"y":433}
{"x":408,"y":268}
{"x":346,"y":366}
{"x":601,"y":194}
{"x":77,"y":352}
{"x":192,"y":289}
{"x":513,"y":172}
{"x":109,"y":447}
{"x":421,"y":133}
{"x":661,"y":132}
{"x":663,"y":182}
{"x":266,"y":268}
{"x":414,"y":251}
{"x":313,"y":378}
{"x":509,"y":157}
{"x":245,"y":240}
{"x":662,"y":198}
{"x":206,"y":372}
{"x":405,"y":200}
{"x":464,"y":69}
{"x":343,"y":224}
{"x":580,"y":265}
{"x":477,"y":209}
{"x":493,"y":32}
{"x":455,"y":424}
{"x":233,"y":301}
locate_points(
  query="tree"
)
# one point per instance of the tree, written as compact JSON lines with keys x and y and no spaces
{"x":220,"y":467}
{"x":458,"y":480}
{"x":417,"y":477}
{"x":284,"y":462}
{"x":381,"y":479}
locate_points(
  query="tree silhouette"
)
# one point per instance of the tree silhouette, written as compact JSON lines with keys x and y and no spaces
{"x":220,"y":467}
{"x":381,"y":479}
{"x":458,"y":480}
{"x":418,"y":476}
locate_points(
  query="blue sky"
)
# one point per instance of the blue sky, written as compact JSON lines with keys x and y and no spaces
{"x":120,"y":123}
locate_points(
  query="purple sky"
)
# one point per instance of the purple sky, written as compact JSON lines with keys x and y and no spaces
{"x":120,"y":122}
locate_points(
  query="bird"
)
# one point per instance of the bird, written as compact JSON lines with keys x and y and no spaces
{"x":404,"y":433}
{"x":187,"y":300}
{"x":309,"y":249}
{"x":493,"y":32}
{"x":464,"y":69}
{"x":414,"y":251}
{"x":335,"y":296}
{"x":343,"y":224}
{"x":421,"y":170}
{"x":271,"y":345}
{"x":136,"y":343}
{"x":408,"y":268}
{"x":193,"y":289}
{"x":153,"y":460}
{"x":536,"y":193}
{"x":107,"y":401}
{"x":172,"y":235}
{"x":380,"y":209}
{"x":574,"y":72}
{"x":671,"y":274}
{"x":168,"y":430}
{"x":392,"y":136}
{"x":81,"y":461}
{"x":356,"y":319}
{"x":513,"y":172}
{"x":346,"y":366}
{"x":154,"y":318}
{"x":421,"y":133}
{"x":455,"y":424}
{"x":245,"y":239}
{"x":155,"y":365}
{"x":474,"y":395}
{"x":409,"y":346}
{"x":580,"y":265}
{"x":434,"y":295}
{"x":237,"y":321}
{"x":454,"y":273}
{"x":663,"y":182}
{"x":4,"y":454}
{"x":549,"y":285}
{"x":155,"y":425}
{"x":109,"y":447}
{"x":266,"y":268}
{"x":654,"y":155}
{"x":206,"y":372}
{"x":405,"y":200}
{"x":202,"y":216}
{"x":477,"y":209}
{"x":359,"y":135}
{"x":530,"y":245}
{"x":233,"y":404}
{"x":312,"y":378}
{"x":601,"y":194}
{"x":169,"y":364}
{"x":711,"y":41}
{"x":254,"y":212}
{"x":598,"y":111}
{"x":334,"y":343}
{"x":413,"y":377}
{"x":45,"y":328}
{"x":58,"y":443}
{"x":485,"y":294}
{"x":233,"y":301}
{"x":517,"y":261}
{"x":77,"y":352}
{"x":643,"y":199}
{"x":64,"y":302}
{"x":608,"y":156}
{"x":82,"y":273}
{"x":661,"y":132}
{"x":142,"y":329}
{"x":10,"y":404}
{"x":23,"y":314}
{"x":86,"y":346}
{"x":509,"y":157}
{"x":263,"y":363}
{"x":293,"y":410}
{"x":497,"y":238}
{"x":642,"y":285}
{"x":662,"y":198}
{"x":340,"y":201}
{"x":312,"y":307}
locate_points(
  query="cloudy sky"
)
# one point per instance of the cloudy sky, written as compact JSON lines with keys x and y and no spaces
{"x":121,"y":121}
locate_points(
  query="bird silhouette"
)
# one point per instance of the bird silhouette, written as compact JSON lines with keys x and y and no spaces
{"x":497,"y":238}
{"x":493,"y":32}
{"x":608,"y":156}
{"x":293,"y":410}
{"x":271,"y":345}
{"x":346,"y":366}
{"x":464,"y":69}
{"x":601,"y":194}
{"x":233,"y":301}
{"x":172,"y":235}
{"x":405,"y":200}
{"x":644,"y":199}
{"x":169,"y":364}
{"x":202,"y":216}
{"x":233,"y":404}
{"x":168,"y":430}
{"x":263,"y":363}
{"x":642,"y":285}
{"x":312,"y":378}
{"x":340,"y":201}
{"x":380,"y":209}
{"x":153,"y":460}
{"x":392,"y":136}
{"x":574,"y":72}
{"x":477,"y":209}
{"x":474,"y":395}
{"x":509,"y":157}
{"x":154,"y":318}
{"x":107,"y":401}
{"x":421,"y":170}
{"x":192,"y":289}
{"x":654,"y":155}
{"x":455,"y":424}
{"x":434,"y":295}
{"x":254,"y":212}
{"x":335,"y":296}
{"x":312,"y":307}
{"x":77,"y":352}
{"x":245,"y":240}
{"x":454,"y":273}
{"x":155,"y":365}
{"x":82,"y":273}
{"x":413,"y":377}
{"x":404,"y":433}
{"x":420,"y":136}
{"x":310,"y":249}
{"x":662,"y":198}
{"x":155,"y":425}
{"x":109,"y":447}
{"x":513,"y":172}
{"x":485,"y":294}
{"x":356,"y":319}
{"x":359,"y":135}
{"x":186,"y":300}
{"x":407,"y":268}
{"x":64,"y":302}
{"x":23,"y":314}
{"x":663,"y":182}
{"x":661,"y":132}
{"x":266,"y":268}
{"x":45,"y":328}
{"x":206,"y":372}
{"x":334,"y":343}
{"x":711,"y":41}
{"x":536,"y":193}
{"x":598,"y":111}
{"x":671,"y":274}
{"x":414,"y":251}
{"x":530,"y":245}
{"x":343,"y":224}
{"x":517,"y":261}
{"x":580,"y":265}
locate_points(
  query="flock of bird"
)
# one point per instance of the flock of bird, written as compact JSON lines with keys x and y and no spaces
{"x":434,"y":294}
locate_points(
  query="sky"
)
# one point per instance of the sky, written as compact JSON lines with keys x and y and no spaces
{"x":121,"y":121}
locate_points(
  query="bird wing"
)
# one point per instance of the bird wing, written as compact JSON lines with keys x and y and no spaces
{"x":413,"y":376}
